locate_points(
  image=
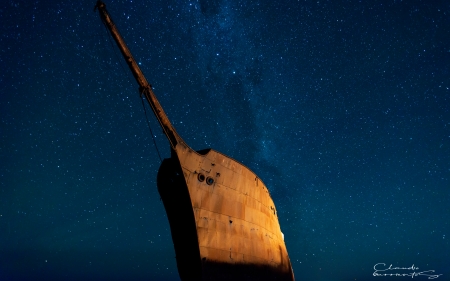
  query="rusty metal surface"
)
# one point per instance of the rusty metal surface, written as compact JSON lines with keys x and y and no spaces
{"x":235,"y":217}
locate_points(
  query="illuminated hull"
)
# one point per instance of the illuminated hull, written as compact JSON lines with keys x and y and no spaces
{"x":223,"y":221}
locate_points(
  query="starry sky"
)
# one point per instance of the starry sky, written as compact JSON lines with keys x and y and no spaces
{"x":340,"y":107}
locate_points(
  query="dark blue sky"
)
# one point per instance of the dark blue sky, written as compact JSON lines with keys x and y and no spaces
{"x":341,"y":107}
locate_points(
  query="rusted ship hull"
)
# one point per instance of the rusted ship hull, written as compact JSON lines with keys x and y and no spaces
{"x":223,"y":221}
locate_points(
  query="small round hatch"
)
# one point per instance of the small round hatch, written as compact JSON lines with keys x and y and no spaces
{"x":209,"y":180}
{"x":201,"y":177}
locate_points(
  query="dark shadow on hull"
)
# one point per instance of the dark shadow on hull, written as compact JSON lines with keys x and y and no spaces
{"x":175,"y":196}
{"x":219,"y":271}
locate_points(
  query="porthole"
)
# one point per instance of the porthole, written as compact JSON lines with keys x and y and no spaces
{"x":201,"y":177}
{"x":209,"y":180}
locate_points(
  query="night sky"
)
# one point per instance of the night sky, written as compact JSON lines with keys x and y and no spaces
{"x":342,"y":108}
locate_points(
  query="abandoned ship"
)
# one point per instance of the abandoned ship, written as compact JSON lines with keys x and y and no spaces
{"x":223,"y":221}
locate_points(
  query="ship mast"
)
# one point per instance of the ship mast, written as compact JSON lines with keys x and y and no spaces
{"x":144,"y":87}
